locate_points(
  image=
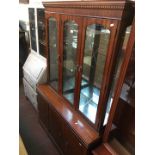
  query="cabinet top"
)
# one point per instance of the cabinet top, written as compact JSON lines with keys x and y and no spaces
{"x":102,"y":9}
{"x":104,"y":4}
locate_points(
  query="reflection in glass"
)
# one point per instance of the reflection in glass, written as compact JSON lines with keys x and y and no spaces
{"x":96,"y":44}
{"x":70,"y":42}
{"x":128,"y":88}
{"x":124,"y":120}
{"x":53,"y":53}
{"x":119,"y":62}
{"x":32,"y":29}
{"x":41,"y":26}
{"x":41,"y":30}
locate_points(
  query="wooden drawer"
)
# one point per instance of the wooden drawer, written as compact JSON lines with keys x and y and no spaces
{"x":30,"y":93}
{"x":43,"y":110}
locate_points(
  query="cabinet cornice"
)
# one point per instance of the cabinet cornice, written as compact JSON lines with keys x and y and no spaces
{"x":119,"y":5}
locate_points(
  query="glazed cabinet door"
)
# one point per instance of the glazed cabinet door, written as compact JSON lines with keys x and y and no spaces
{"x":97,"y":49}
{"x":41,"y":30}
{"x":71,"y":28}
{"x":53,"y":24}
{"x":32,"y":29}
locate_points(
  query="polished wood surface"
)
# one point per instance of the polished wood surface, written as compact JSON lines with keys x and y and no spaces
{"x":74,"y":120}
{"x":43,"y":111}
{"x":88,"y":8}
{"x":104,"y":149}
{"x":105,"y":4}
{"x":97,"y":9}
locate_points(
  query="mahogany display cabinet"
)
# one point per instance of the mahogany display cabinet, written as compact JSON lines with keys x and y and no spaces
{"x":84,"y":40}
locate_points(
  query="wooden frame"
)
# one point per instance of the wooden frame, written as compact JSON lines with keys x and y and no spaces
{"x":85,"y":13}
{"x":106,"y":23}
{"x":120,"y":81}
{"x":56,"y":16}
{"x":77,"y":20}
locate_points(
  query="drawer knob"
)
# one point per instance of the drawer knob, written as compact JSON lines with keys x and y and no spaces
{"x":80,"y":144}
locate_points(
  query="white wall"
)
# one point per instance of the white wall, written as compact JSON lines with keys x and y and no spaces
{"x":23,"y":9}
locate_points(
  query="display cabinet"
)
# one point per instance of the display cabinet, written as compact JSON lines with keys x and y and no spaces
{"x":37,"y":30}
{"x":32,"y":28}
{"x":84,"y":40}
{"x":41,"y":30}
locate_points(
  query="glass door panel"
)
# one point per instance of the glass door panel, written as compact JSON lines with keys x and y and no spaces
{"x":70,"y":43}
{"x":41,"y":30}
{"x":32,"y":29}
{"x":119,"y":61}
{"x":95,"y":50}
{"x":124,"y":119}
{"x":53,"y":53}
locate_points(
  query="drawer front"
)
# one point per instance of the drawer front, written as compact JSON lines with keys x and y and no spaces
{"x":43,"y":110}
{"x":34,"y":101}
{"x":30,"y":80}
{"x":30,"y":93}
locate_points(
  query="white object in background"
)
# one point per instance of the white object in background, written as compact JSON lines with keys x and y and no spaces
{"x":30,"y":93}
{"x":34,"y":71}
{"x":36,"y":5}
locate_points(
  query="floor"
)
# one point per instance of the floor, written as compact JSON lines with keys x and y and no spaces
{"x":35,"y":139}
